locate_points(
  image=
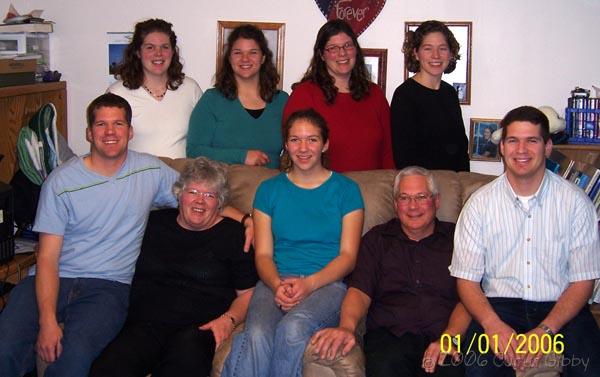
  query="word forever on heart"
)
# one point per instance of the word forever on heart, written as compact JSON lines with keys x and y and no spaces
{"x":348,"y":13}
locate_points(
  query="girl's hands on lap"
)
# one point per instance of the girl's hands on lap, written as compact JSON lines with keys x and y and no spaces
{"x":283,"y":297}
{"x":298,"y":288}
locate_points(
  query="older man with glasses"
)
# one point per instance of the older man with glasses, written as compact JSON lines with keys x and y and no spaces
{"x":402,"y":283}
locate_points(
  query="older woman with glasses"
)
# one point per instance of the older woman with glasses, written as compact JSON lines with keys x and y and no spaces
{"x":338,"y":86}
{"x":192,"y":284}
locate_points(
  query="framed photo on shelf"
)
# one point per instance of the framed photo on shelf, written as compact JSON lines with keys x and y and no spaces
{"x":376,"y":61}
{"x":460,"y":78}
{"x":481,"y":147}
{"x":274,"y":33}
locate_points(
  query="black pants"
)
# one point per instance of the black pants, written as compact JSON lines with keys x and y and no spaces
{"x":388,"y":355}
{"x":160,"y":349}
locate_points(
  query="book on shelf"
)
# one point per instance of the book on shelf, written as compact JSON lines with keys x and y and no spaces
{"x":595,"y":190}
{"x":559,"y":163}
{"x":41,"y":27}
{"x":583,"y":175}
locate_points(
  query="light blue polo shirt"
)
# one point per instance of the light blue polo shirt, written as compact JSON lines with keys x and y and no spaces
{"x":102,"y":219}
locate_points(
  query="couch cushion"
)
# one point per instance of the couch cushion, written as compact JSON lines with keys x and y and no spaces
{"x":471,"y":182}
{"x":375,"y":187}
{"x":243,"y":182}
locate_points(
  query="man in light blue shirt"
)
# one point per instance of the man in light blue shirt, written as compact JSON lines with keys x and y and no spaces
{"x":91,"y":218}
{"x":526,"y":253}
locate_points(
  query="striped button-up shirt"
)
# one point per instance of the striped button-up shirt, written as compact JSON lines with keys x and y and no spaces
{"x":530,"y":253}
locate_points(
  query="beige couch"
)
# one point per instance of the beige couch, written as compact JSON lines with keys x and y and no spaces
{"x":376,"y":189}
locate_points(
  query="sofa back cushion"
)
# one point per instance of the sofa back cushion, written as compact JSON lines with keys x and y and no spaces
{"x":375,"y":187}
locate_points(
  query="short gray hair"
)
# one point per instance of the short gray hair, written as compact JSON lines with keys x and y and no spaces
{"x":209,"y":172}
{"x":416,"y":170}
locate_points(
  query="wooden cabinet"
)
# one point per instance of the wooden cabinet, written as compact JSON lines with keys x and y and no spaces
{"x":17,"y":106}
{"x":588,"y":153}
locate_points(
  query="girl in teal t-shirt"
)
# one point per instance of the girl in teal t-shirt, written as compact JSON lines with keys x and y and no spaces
{"x":308,"y":223}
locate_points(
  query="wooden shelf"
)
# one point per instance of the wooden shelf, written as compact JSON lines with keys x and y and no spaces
{"x":588,"y":153}
{"x":17,"y":106}
{"x":19,"y":90}
{"x":14,"y":270}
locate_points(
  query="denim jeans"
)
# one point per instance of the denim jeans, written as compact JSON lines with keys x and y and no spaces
{"x":273,"y":341}
{"x":92,"y":310}
{"x":581,"y":340}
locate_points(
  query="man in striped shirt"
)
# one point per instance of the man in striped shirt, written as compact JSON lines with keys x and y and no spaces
{"x":526,"y":253}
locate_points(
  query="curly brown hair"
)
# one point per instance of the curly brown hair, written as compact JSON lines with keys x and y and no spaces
{"x":317,"y":70}
{"x":268,"y":76}
{"x":131,"y":71}
{"x":414,"y":39}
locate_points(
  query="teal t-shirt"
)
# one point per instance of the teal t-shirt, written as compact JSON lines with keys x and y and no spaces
{"x":306,"y":223}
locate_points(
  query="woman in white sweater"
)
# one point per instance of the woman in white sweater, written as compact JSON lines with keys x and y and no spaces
{"x":161,"y":97}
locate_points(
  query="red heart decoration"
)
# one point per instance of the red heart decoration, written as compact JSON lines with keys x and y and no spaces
{"x":359,"y":14}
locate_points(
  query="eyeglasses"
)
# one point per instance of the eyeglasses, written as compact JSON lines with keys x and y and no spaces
{"x":420,"y":199}
{"x":334,"y":49}
{"x":207,"y":195}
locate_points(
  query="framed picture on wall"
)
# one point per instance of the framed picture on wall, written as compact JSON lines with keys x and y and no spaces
{"x":376,"y":61}
{"x":481,"y":147}
{"x":460,"y":78}
{"x":274,"y":33}
{"x":117,"y":43}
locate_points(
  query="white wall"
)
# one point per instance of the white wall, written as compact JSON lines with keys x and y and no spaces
{"x":524,"y":52}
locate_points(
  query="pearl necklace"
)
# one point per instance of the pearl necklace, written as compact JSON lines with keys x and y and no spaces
{"x":154,"y":95}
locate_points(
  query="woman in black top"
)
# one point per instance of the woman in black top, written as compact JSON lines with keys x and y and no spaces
{"x":192,"y":284}
{"x":426,"y":120}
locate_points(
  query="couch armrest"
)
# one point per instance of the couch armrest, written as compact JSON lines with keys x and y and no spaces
{"x":351,"y":365}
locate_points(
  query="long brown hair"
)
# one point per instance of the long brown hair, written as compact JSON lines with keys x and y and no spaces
{"x":317,"y":70}
{"x":131,"y":70}
{"x":268,"y":76}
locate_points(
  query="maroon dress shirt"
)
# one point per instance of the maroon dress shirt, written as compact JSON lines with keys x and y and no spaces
{"x":409,"y":284}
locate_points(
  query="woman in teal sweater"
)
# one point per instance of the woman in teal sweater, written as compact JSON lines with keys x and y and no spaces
{"x":239,"y":120}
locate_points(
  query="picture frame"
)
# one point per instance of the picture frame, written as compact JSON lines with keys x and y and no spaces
{"x":460,"y":78}
{"x":274,"y":33}
{"x":117,"y":42}
{"x":376,"y":61}
{"x":481,"y":147}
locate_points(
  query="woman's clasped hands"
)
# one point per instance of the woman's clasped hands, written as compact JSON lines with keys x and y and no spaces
{"x":291,"y":291}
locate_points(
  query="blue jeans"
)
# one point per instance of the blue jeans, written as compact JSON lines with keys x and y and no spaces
{"x":581,"y":339}
{"x":273,"y":341}
{"x":92,"y":310}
